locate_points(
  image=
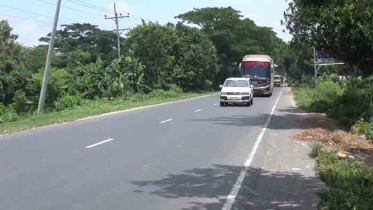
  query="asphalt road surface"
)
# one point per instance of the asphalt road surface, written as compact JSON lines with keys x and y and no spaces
{"x":186,"y":155}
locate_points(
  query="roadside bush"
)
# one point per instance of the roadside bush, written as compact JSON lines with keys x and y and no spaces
{"x":175,"y":89}
{"x":355,"y":103}
{"x":328,"y":91}
{"x":21,"y":103}
{"x":7,"y":114}
{"x":138,"y":97}
{"x":362,"y":127}
{"x":305,"y":81}
{"x":68,"y":102}
{"x":161,"y":94}
{"x":316,"y":149}
{"x":350,"y":183}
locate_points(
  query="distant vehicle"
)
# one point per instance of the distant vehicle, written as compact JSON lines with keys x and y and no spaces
{"x":237,"y":91}
{"x":277,"y":80}
{"x":260,"y":69}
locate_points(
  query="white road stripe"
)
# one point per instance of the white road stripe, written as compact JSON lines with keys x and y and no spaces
{"x":198,"y":110}
{"x":232,"y":196}
{"x":99,"y":143}
{"x":169,"y":120}
{"x":216,"y":104}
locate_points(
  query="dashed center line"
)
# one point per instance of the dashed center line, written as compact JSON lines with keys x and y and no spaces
{"x":169,"y":120}
{"x":99,"y":143}
{"x":216,"y":104}
{"x":198,"y":110}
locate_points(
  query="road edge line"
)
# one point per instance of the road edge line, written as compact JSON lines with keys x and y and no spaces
{"x":237,"y":186}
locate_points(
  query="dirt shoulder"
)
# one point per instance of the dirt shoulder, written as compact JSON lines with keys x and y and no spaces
{"x":317,"y":127}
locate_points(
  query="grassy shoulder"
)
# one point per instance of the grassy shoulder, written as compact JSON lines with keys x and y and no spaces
{"x":349,"y":181}
{"x":304,"y":97}
{"x":91,"y":108}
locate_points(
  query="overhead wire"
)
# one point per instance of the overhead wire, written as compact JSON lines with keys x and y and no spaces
{"x":70,"y":8}
{"x":89,"y":6}
{"x":26,"y":20}
{"x":25,"y":11}
{"x":31,"y":13}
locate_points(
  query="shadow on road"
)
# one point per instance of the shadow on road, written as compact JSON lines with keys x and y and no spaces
{"x":209,"y":187}
{"x":284,"y":119}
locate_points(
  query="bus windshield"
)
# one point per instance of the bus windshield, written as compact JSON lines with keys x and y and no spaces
{"x":256,"y":69}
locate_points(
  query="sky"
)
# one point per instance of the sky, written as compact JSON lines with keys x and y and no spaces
{"x":32,"y":19}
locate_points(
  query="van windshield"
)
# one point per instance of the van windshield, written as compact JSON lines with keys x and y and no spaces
{"x":236,"y":83}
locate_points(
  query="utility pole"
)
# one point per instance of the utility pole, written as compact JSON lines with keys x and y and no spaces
{"x":315,"y":66}
{"x":116,"y":20}
{"x":44,"y":85}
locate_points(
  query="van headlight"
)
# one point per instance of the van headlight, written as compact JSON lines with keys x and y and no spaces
{"x":223,"y":93}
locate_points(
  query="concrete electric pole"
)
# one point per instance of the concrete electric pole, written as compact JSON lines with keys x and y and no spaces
{"x":116,"y":20}
{"x":44,"y":85}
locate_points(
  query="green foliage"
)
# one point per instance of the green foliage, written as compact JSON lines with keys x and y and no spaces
{"x":328,"y":91}
{"x":112,"y":81}
{"x":355,"y":103}
{"x":350,"y":183}
{"x":132,"y":71}
{"x":68,"y":102}
{"x":173,"y":55}
{"x":362,"y":127}
{"x":176,"y":89}
{"x":7,"y":41}
{"x":304,"y":97}
{"x":153,"y":45}
{"x":341,"y":28}
{"x":234,"y":37}
{"x":59,"y":83}
{"x":85,"y":38}
{"x":8,"y":114}
{"x":21,"y":103}
{"x":196,"y":60}
{"x":316,"y":149}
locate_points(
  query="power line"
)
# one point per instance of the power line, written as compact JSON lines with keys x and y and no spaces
{"x":25,"y":11}
{"x":29,"y":20}
{"x":31,"y":13}
{"x":90,"y":6}
{"x":70,"y":8}
{"x":135,"y":22}
{"x":26,"y":21}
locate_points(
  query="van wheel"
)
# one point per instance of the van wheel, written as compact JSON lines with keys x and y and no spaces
{"x":222,"y":104}
{"x":252,"y":101}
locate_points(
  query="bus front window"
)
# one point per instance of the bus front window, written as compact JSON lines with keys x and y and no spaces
{"x":256,"y":69}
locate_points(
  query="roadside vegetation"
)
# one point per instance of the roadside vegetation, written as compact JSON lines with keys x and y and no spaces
{"x":349,"y":182}
{"x":345,"y":93}
{"x":158,"y":63}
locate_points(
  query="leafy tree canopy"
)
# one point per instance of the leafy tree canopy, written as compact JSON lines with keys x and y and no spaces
{"x":341,"y":28}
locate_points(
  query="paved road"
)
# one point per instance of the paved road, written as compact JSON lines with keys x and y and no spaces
{"x":184,"y":155}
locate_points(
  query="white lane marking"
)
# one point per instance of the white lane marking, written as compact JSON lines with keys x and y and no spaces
{"x":99,"y":143}
{"x":169,"y":120}
{"x":296,"y":169}
{"x":216,"y":104}
{"x":198,"y":110}
{"x":232,"y":196}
